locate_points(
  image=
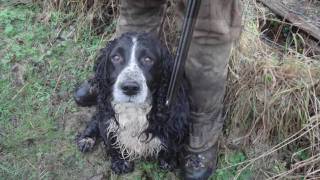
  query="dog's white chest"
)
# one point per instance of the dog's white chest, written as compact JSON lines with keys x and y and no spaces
{"x":129,"y":137}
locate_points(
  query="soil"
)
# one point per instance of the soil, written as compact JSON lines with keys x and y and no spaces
{"x":18,"y":72}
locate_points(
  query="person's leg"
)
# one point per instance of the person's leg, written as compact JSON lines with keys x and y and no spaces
{"x":135,"y":15}
{"x":140,"y":16}
{"x":217,"y":26}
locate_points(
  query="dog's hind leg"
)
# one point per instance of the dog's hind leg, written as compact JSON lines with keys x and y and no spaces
{"x":87,"y":139}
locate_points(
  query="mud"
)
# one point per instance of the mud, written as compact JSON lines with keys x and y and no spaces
{"x":18,"y":74}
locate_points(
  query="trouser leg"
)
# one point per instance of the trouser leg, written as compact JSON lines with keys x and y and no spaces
{"x":217,"y":26}
{"x":140,"y":16}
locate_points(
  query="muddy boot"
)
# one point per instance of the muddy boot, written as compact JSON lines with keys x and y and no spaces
{"x":199,"y":166}
{"x":218,"y":25}
{"x":86,"y":94}
{"x":201,"y":154}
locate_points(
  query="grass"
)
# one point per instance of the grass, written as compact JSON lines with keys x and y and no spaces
{"x":42,"y":60}
{"x":32,"y":142}
{"x":273,"y":103}
{"x":47,"y":48}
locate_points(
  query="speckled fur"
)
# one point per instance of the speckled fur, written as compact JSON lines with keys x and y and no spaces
{"x":139,"y":125}
{"x":131,"y":141}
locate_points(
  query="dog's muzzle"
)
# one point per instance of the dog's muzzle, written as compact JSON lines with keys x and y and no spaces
{"x":131,"y":86}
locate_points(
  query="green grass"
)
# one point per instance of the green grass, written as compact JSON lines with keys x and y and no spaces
{"x":33,"y":141}
{"x":231,"y":160}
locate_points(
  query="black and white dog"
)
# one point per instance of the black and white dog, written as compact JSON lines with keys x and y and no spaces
{"x":132,"y":76}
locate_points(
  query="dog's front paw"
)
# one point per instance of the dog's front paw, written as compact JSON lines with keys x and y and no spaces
{"x":85,"y":144}
{"x":120,"y":166}
{"x":167,"y":165}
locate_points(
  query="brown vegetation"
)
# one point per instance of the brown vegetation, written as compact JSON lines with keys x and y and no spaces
{"x":273,"y":98}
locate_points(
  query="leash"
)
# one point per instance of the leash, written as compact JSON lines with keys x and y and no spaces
{"x":183,"y":47}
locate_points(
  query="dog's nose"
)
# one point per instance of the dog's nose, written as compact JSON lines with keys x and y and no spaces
{"x":130,"y":88}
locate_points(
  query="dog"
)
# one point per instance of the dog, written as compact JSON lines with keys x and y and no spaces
{"x":132,"y":75}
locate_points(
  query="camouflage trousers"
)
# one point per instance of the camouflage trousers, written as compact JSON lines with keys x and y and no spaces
{"x":217,"y":26}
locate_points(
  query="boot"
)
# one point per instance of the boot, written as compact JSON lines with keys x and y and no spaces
{"x":199,"y":165}
{"x":86,"y":94}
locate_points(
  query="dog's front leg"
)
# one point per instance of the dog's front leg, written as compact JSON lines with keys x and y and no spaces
{"x":168,"y":160}
{"x":119,"y":164}
{"x":87,"y":139}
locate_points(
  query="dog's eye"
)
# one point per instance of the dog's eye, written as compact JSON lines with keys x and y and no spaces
{"x":116,"y":59}
{"x":147,"y":60}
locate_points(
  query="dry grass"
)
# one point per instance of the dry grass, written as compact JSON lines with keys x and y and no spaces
{"x":274,"y":102}
{"x":273,"y":96}
{"x":99,"y":16}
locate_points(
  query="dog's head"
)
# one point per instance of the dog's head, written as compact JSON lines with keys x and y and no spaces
{"x":133,"y":67}
{"x":136,"y":68}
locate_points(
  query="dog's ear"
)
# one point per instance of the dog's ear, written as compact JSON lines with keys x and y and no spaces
{"x":170,"y":124}
{"x":166,"y":71}
{"x":102,"y":69}
{"x":104,"y":82}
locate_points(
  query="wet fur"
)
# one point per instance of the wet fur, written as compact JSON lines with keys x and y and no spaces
{"x":169,"y":125}
{"x":132,"y":142}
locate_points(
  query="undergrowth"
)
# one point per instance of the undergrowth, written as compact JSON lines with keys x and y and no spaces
{"x":48,"y":47}
{"x":38,"y":73}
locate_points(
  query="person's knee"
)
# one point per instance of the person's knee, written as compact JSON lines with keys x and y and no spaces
{"x":219,"y":21}
{"x":140,"y":16}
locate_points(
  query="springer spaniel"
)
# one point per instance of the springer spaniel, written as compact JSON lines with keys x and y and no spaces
{"x":132,"y":76}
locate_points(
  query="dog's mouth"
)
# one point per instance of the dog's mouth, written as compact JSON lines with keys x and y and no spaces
{"x":131,"y":100}
{"x":134,"y":99}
